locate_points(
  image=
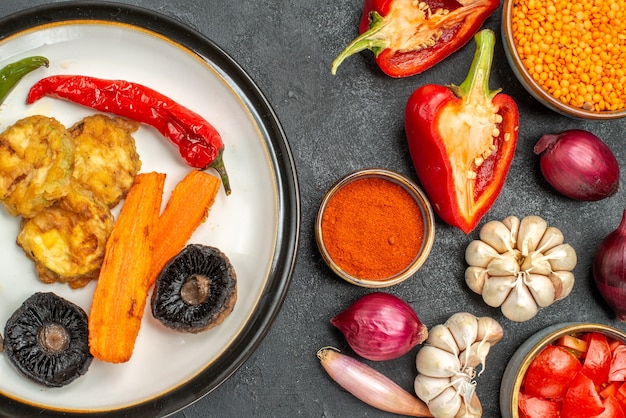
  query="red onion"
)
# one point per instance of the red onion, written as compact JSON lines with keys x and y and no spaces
{"x":609,"y":269}
{"x":578,"y":165}
{"x":380,"y":326}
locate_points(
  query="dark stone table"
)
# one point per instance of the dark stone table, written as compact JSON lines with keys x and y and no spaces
{"x":337,"y":124}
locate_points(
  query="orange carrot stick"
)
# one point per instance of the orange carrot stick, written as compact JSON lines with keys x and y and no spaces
{"x":187,"y":207}
{"x":120,"y":296}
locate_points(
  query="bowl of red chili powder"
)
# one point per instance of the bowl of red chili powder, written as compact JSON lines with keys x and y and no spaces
{"x":375,"y":228}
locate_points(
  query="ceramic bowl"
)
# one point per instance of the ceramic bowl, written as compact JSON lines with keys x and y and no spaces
{"x":532,"y":86}
{"x":427,"y":216}
{"x":525,"y":354}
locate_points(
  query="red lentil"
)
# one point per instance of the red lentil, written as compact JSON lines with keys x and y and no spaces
{"x":575,"y":51}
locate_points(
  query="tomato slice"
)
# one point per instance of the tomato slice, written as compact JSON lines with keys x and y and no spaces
{"x":598,"y":359}
{"x":617,"y":370}
{"x":612,"y":409}
{"x":550,"y":373}
{"x":577,"y":345}
{"x":610,"y":390}
{"x":581,"y":399}
{"x":532,"y":407}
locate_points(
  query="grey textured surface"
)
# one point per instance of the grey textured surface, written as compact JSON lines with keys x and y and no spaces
{"x":336,"y":124}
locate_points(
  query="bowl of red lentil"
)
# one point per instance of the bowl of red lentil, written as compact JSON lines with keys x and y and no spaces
{"x":375,"y":228}
{"x":570,"y":56}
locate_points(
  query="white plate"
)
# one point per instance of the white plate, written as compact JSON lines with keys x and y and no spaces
{"x":257,"y":226}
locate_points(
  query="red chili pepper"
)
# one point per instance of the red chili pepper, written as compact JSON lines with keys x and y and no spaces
{"x":408,"y":37}
{"x":198,"y":142}
{"x":462,"y":140}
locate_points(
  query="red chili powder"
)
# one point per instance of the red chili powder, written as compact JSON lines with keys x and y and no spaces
{"x":372,"y":228}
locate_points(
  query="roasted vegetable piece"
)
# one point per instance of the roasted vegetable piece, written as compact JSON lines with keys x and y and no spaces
{"x":198,"y":142}
{"x":46,"y":340}
{"x":120,"y":296}
{"x":11,"y":74}
{"x":196,"y":290}
{"x":186,"y":209}
{"x":462,"y":141}
{"x":408,"y":37}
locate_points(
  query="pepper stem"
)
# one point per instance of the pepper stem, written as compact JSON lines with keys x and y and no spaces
{"x":218,"y":165}
{"x":475,"y":88}
{"x":367,"y":40}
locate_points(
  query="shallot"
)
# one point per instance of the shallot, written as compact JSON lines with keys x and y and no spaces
{"x":609,"y":269}
{"x":369,"y":385}
{"x":578,"y":165}
{"x":380,"y":326}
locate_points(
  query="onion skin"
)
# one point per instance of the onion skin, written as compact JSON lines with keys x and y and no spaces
{"x":578,"y":165}
{"x":609,"y":269}
{"x":369,"y":385}
{"x":380,"y":326}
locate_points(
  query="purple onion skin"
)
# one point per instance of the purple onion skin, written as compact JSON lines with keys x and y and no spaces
{"x":380,"y":326}
{"x":578,"y":165}
{"x":609,"y":269}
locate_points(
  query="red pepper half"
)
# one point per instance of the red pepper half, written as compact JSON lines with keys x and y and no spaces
{"x":408,"y":37}
{"x":198,"y":142}
{"x":462,"y":140}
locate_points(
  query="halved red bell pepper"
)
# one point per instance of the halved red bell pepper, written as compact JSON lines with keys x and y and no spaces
{"x":408,"y":37}
{"x":462,"y":140}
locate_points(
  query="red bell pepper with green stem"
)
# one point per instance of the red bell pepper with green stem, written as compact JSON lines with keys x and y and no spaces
{"x":408,"y":37}
{"x":198,"y":142}
{"x":462,"y":140}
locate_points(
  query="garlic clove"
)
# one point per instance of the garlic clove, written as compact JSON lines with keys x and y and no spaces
{"x":475,"y":278}
{"x":441,"y":337}
{"x":562,"y":257}
{"x":536,"y":263}
{"x":497,"y":289}
{"x":498,"y":236}
{"x":531,"y":231}
{"x":446,"y":405}
{"x":520,"y":305}
{"x":464,"y":327}
{"x":512,"y":222}
{"x":428,"y":387}
{"x":541,"y":288}
{"x":505,"y":265}
{"x":475,"y":355}
{"x":479,"y":253}
{"x":472,"y":410}
{"x":435,"y":362}
{"x":551,"y":238}
{"x":489,"y":330}
{"x":563,"y":282}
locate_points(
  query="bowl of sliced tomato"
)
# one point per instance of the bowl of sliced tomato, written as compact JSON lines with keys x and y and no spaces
{"x":573,"y":370}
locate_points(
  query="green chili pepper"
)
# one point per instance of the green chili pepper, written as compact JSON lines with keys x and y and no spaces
{"x":12,"y":73}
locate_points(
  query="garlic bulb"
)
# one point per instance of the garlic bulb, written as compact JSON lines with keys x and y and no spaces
{"x":452,"y":357}
{"x":520,"y":266}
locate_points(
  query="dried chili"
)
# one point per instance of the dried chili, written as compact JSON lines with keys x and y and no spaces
{"x":198,"y":142}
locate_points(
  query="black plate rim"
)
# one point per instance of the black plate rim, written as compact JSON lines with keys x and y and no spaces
{"x":283,"y":264}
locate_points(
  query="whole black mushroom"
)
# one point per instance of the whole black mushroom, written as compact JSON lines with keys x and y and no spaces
{"x":46,"y":339}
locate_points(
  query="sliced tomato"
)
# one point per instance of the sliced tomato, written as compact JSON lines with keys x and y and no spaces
{"x":612,"y":409}
{"x":550,"y":373}
{"x":598,"y":359}
{"x":617,"y":369}
{"x":620,"y":395}
{"x":610,"y":389}
{"x":532,"y":407}
{"x":581,"y":399}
